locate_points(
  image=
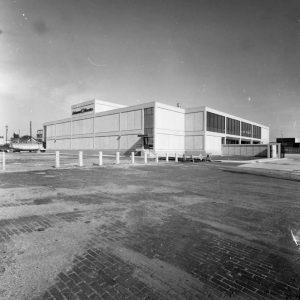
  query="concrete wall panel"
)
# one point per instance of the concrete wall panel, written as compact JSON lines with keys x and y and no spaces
{"x":194,"y":121}
{"x":61,"y":144}
{"x":168,"y":119}
{"x":130,"y":142}
{"x":213,"y":144}
{"x":265,"y":135}
{"x":82,"y":143}
{"x":245,"y":150}
{"x":194,"y":142}
{"x":50,"y":144}
{"x":168,"y":142}
{"x":82,"y":126}
{"x":107,"y":142}
{"x":63,"y":129}
{"x":108,"y":123}
{"x":51,"y":131}
{"x":131,"y":120}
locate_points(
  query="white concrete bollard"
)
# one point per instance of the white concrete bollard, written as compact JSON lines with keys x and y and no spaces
{"x":3,"y":161}
{"x":145,"y":158}
{"x":132,"y":157}
{"x":156,"y":158}
{"x":167,"y":157}
{"x":80,"y":159}
{"x":176,"y":157}
{"x":57,"y":162}
{"x":100,"y":158}
{"x":117,"y":157}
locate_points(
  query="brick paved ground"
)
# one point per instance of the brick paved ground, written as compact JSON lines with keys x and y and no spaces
{"x":176,"y":232}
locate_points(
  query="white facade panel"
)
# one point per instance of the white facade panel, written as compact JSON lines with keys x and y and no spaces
{"x":50,"y":144}
{"x":213,"y":144}
{"x":63,"y":129}
{"x":63,"y":144}
{"x":194,"y":142}
{"x":51,"y":131}
{"x":107,"y":123}
{"x":131,"y":120}
{"x":130,"y":142}
{"x":82,"y":126}
{"x":82,"y":143}
{"x":168,"y":142}
{"x":265,"y":134}
{"x":198,"y":142}
{"x":107,"y":142}
{"x":59,"y":144}
{"x":194,"y":121}
{"x":168,"y":119}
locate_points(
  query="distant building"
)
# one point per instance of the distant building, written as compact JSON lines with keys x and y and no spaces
{"x":158,"y":127}
{"x":290,"y":145}
{"x":39,"y":135}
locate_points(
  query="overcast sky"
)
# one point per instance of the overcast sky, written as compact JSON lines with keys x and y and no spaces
{"x":239,"y":56}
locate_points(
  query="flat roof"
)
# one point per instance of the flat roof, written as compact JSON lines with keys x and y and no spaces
{"x":119,"y":108}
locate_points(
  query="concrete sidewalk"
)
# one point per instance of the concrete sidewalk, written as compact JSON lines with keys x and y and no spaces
{"x":291,"y":163}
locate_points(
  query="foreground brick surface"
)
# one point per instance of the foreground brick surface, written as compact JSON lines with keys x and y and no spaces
{"x":172,"y":232}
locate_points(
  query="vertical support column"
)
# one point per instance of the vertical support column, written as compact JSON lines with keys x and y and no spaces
{"x":279,"y":151}
{"x":3,"y":161}
{"x":274,"y":151}
{"x":268,"y":151}
{"x":80,"y":158}
{"x":167,"y":157}
{"x":156,"y":158}
{"x":57,"y":162}
{"x":145,"y":157}
{"x":132,"y":157}
{"x":100,"y":158}
{"x":117,"y":158}
{"x":176,"y":157}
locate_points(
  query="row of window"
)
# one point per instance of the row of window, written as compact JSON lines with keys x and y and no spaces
{"x":246,"y":129}
{"x":233,"y":126}
{"x":148,"y":127}
{"x":216,"y":123}
{"x":256,"y":132}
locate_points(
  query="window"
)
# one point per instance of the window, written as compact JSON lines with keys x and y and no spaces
{"x":215,"y":123}
{"x":232,"y":141}
{"x":233,"y":126}
{"x":246,"y":129}
{"x":256,"y":132}
{"x":148,"y":127}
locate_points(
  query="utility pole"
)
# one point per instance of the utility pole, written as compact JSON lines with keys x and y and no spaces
{"x":30,"y":131}
{"x":6,"y":130}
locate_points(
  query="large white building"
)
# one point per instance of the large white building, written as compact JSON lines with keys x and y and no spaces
{"x":158,"y":127}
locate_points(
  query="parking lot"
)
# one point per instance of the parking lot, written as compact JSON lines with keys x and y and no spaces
{"x":166,"y":231}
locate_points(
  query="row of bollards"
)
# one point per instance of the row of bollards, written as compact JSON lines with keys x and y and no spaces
{"x":117,"y":161}
{"x":80,"y":159}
